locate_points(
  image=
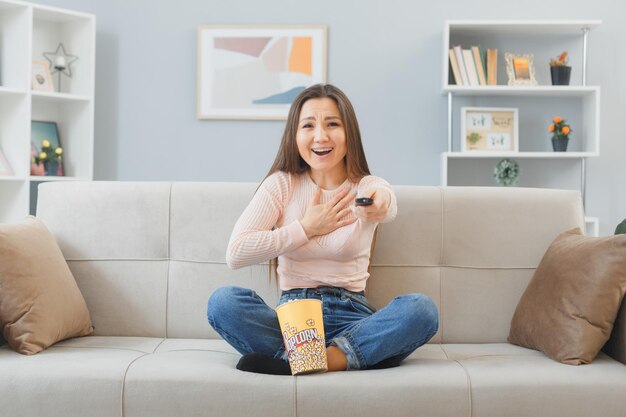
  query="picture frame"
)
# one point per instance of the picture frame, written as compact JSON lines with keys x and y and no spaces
{"x":41,"y":77}
{"x":40,"y":131}
{"x":489,"y":129}
{"x":255,"y":72}
{"x":5,"y":167}
{"x":520,"y":69}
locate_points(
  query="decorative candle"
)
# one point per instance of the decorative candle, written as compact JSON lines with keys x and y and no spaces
{"x":59,"y":62}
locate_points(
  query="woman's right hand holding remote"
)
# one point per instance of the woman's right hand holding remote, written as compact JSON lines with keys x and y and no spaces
{"x":320,"y":219}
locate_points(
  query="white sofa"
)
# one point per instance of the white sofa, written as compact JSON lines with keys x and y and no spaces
{"x":147,"y":256}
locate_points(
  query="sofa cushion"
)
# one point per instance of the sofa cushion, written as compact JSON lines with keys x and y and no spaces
{"x":427,"y":383}
{"x":202,"y":374}
{"x":514,"y":381}
{"x":139,"y":376}
{"x":73,"y":378}
{"x":570,"y":304}
{"x":40,"y":302}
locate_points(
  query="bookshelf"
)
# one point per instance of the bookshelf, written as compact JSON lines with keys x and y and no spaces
{"x":26,"y":31}
{"x":578,"y":103}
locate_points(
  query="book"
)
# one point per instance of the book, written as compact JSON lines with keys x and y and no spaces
{"x":483,"y":55}
{"x":459,"y":59}
{"x":492,"y":67}
{"x":478,"y":61}
{"x":470,"y":67}
{"x":454,"y":64}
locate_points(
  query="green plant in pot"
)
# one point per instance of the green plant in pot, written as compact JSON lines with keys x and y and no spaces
{"x":473,"y":139}
{"x":621,"y":228}
{"x":560,"y":134}
{"x":559,"y":70}
{"x":506,"y":172}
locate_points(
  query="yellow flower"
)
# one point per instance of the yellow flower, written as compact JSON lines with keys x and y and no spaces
{"x":557,"y":120}
{"x":565,"y":130}
{"x":45,"y":143}
{"x":43,"y":155}
{"x":58,"y":151}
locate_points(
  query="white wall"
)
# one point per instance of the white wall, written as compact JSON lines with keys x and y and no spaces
{"x":384,"y":54}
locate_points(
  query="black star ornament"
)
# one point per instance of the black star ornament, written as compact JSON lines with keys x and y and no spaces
{"x":60,"y":60}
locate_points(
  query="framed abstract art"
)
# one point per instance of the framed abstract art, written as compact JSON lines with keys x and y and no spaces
{"x":255,"y":72}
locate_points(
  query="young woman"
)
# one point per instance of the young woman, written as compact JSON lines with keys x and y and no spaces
{"x":304,"y":214}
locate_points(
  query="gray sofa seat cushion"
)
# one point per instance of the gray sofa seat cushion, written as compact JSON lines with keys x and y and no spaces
{"x":186,"y":377}
{"x":531,"y":384}
{"x":77,"y":377}
{"x":138,"y":376}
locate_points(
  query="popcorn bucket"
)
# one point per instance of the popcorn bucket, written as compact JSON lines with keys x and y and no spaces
{"x":303,"y":333}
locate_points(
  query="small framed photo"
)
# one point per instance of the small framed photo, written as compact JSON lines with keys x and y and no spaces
{"x":39,"y":132}
{"x":255,"y":72}
{"x":491,"y":129}
{"x":41,"y":80}
{"x":5,"y":168}
{"x":520,"y":69}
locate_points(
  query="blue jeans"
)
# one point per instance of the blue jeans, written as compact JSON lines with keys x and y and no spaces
{"x":365,"y":335}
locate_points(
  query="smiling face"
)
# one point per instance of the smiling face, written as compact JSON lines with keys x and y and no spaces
{"x":321,"y":137}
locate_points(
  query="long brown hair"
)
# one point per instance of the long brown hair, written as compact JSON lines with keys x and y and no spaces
{"x":288,"y":158}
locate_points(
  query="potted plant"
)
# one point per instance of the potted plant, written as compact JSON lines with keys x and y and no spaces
{"x":559,"y":70}
{"x":473,"y":138}
{"x":51,"y":158}
{"x":560,"y":134}
{"x":506,"y":172}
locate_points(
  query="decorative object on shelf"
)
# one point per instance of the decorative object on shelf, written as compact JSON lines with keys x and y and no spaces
{"x":621,"y":228}
{"x":506,"y":172}
{"x":5,"y":167}
{"x":41,"y":78}
{"x":559,"y":70}
{"x":61,"y":61}
{"x":492,"y":66}
{"x":489,"y":129}
{"x":468,"y":66}
{"x":251,"y":72}
{"x":46,"y":150}
{"x":560,"y":134}
{"x":520,"y":69}
{"x":473,"y":138}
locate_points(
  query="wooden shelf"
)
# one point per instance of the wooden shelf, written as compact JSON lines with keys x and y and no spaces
{"x":524,"y":27}
{"x":11,"y":178}
{"x":27,"y":31}
{"x":536,"y":155}
{"x":41,"y":178}
{"x":59,"y":97}
{"x":7,"y":91}
{"x":578,"y":103}
{"x":505,"y":90}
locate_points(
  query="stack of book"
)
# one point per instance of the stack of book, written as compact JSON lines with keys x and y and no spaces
{"x":472,"y":67}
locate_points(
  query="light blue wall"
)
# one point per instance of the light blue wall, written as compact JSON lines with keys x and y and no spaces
{"x":386,"y":55}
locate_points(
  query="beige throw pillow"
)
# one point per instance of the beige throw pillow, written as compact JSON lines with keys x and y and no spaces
{"x":571,"y":302}
{"x":40,"y":303}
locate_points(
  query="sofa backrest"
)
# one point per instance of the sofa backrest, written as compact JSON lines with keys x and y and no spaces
{"x":147,"y":255}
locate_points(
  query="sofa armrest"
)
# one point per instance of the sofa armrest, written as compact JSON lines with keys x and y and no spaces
{"x":616,"y":346}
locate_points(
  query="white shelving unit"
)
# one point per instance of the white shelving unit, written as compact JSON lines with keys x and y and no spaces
{"x":27,"y":31}
{"x":578,"y":103}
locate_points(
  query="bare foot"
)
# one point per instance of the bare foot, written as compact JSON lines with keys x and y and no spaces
{"x":336,"y":359}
